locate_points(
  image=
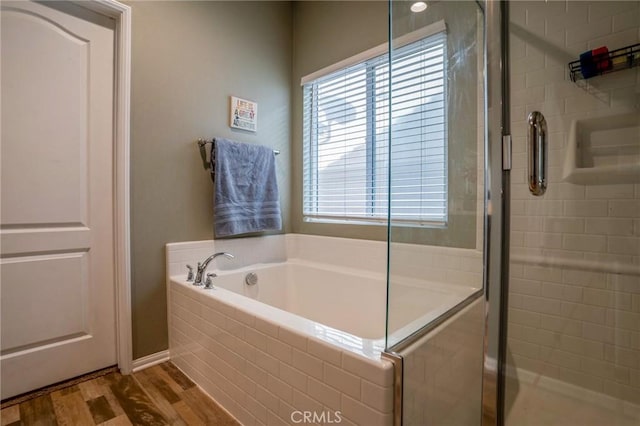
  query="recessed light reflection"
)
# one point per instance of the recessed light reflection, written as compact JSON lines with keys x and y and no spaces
{"x":418,"y":6}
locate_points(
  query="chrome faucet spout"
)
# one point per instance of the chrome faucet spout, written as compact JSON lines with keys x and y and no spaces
{"x":202,"y":266}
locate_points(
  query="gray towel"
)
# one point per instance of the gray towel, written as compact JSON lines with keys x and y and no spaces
{"x":246,"y":191}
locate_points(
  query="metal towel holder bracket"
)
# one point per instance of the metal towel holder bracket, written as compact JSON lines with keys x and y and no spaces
{"x":202,"y":144}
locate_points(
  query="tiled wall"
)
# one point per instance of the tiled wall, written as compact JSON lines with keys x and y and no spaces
{"x":263,"y":373}
{"x":575,"y":272}
{"x":443,"y":372}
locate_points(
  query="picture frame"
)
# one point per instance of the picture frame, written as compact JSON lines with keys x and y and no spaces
{"x":243,"y":114}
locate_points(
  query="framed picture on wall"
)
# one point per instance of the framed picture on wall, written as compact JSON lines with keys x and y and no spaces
{"x":243,"y":114}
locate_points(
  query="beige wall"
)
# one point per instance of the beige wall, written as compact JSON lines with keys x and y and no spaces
{"x":188,"y":57}
{"x":323,"y":34}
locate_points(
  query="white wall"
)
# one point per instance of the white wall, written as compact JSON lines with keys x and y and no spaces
{"x":574,"y":315}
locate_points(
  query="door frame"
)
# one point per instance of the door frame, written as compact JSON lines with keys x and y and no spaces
{"x":121,"y":14}
{"x":498,"y":164}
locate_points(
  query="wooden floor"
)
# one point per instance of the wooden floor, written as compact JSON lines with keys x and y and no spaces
{"x":159,"y":395}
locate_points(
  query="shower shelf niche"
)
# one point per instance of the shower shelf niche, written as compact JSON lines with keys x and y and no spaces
{"x":603,"y":150}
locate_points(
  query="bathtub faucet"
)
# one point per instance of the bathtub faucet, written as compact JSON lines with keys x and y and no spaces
{"x":202,"y":266}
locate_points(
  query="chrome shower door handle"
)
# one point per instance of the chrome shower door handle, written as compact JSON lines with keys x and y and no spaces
{"x":537,"y":153}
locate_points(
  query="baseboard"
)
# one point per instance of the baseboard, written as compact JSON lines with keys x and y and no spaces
{"x":588,"y":396}
{"x":150,"y":360}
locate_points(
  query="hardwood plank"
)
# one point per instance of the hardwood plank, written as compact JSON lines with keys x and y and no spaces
{"x":187,"y":414}
{"x":100,"y":409}
{"x":146,"y":382}
{"x":122,"y":420}
{"x":162,"y":386}
{"x":160,"y":372}
{"x":206,"y":408}
{"x":135,"y":403}
{"x":68,"y":390}
{"x":38,"y":411}
{"x":177,"y":375}
{"x":90,"y":389}
{"x":10,"y":415}
{"x":103,"y":385}
{"x":71,"y":410}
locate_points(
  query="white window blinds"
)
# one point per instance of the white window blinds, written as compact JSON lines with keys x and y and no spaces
{"x":346,"y":138}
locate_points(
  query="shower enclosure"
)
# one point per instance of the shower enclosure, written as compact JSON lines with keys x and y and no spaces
{"x":527,"y":305}
{"x":437,"y":127}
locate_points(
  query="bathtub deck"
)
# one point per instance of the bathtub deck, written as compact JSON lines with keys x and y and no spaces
{"x":159,"y":395}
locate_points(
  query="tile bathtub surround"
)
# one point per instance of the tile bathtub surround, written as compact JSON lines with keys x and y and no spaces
{"x":575,"y":273}
{"x":263,"y":373}
{"x":443,"y":372}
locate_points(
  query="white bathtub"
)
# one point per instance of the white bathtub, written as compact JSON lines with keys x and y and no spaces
{"x":306,"y":337}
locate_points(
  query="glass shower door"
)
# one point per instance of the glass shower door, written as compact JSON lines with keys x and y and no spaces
{"x":573,"y":339}
{"x":435,"y":157}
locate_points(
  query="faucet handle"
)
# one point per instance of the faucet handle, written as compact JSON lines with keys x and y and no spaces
{"x":208,"y":284}
{"x":190,"y":273}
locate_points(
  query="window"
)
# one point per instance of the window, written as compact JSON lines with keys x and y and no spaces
{"x":346,"y":138}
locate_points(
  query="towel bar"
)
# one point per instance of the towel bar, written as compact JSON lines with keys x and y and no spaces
{"x":203,"y":142}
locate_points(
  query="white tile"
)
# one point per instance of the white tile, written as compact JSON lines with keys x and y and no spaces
{"x":579,"y":311}
{"x":377,"y":397}
{"x":267,"y":398}
{"x":605,"y":369}
{"x":268,"y":363}
{"x":287,"y":412}
{"x":608,"y":299}
{"x":609,"y":226}
{"x":279,"y":388}
{"x":522,"y":286}
{"x":266,"y":327}
{"x":625,"y":21}
{"x":380,"y":373}
{"x":520,"y":316}
{"x":591,"y":208}
{"x":307,"y":364}
{"x":274,"y":420}
{"x":292,"y":338}
{"x":582,"y":347}
{"x":256,"y":374}
{"x":303,"y":402}
{"x":624,"y":208}
{"x":323,"y":393}
{"x":279,"y":350}
{"x":593,"y":243}
{"x":624,"y":283}
{"x":293,"y":377}
{"x":596,"y":28}
{"x":324,"y":351}
{"x":255,"y":338}
{"x":339,"y":379}
{"x":541,"y":305}
{"x":585,"y":278}
{"x":258,"y":410}
{"x":624,"y":245}
{"x":362,"y":414}
{"x":561,"y":325}
{"x":570,"y":293}
{"x":624,"y":320}
{"x":623,"y":357}
{"x":609,"y":191}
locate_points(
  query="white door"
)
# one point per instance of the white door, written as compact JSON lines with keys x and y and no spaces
{"x":57,"y":285}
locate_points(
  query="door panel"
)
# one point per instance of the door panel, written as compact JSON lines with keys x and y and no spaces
{"x":69,"y":295}
{"x":57,"y":259}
